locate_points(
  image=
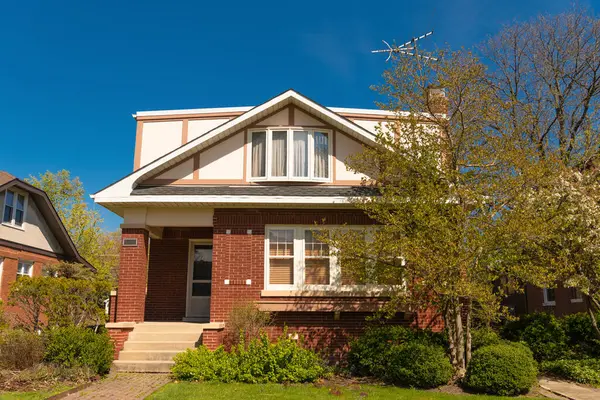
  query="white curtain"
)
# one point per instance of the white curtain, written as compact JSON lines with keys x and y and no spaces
{"x":321,"y":155}
{"x":259,"y":141}
{"x":301,"y":153}
{"x":278,"y":167}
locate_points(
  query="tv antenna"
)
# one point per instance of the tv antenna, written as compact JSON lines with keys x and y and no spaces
{"x":408,"y":49}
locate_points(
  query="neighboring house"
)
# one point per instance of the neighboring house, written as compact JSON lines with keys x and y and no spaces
{"x":559,"y":301}
{"x":31,"y":233}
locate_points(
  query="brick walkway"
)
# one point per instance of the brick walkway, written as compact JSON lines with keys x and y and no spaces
{"x":123,"y":386}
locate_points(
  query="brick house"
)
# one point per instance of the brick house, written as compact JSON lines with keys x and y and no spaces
{"x":31,"y":234}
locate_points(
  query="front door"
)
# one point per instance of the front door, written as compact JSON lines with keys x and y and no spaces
{"x":199,"y":282}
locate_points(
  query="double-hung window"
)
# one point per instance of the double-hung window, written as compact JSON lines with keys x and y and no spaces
{"x":290,"y":154}
{"x":14,"y":208}
{"x":296,"y":258}
{"x":24,"y":268}
{"x":549,"y":297}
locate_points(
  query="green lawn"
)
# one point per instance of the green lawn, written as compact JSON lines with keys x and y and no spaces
{"x":239,"y":391}
{"x":42,"y":394}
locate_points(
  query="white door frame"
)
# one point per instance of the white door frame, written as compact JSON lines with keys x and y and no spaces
{"x":190,"y":273}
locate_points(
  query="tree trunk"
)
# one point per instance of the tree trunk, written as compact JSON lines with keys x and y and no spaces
{"x":469,"y":305}
{"x":449,"y":323}
{"x":460,"y":339}
{"x":591,"y":304}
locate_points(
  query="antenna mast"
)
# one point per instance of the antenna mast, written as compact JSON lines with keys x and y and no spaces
{"x":408,"y":49}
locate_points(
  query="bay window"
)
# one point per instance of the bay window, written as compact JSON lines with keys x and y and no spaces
{"x":281,"y":154}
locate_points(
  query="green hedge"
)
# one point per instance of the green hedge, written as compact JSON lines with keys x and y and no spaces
{"x":482,"y":337}
{"x":582,"y":371}
{"x":418,"y":365}
{"x":502,"y":369}
{"x":79,"y":347}
{"x":370,"y":353}
{"x":543,"y":333}
{"x":260,"y":362}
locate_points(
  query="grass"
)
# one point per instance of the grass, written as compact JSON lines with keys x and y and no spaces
{"x":240,"y":391}
{"x":40,"y":394}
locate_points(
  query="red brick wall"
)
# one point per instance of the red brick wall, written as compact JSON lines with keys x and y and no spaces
{"x":119,"y":337}
{"x":167,"y":273}
{"x":132,"y":277}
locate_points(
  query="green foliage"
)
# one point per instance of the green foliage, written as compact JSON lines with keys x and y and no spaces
{"x":484,"y":336}
{"x":3,"y":318}
{"x":581,"y":371}
{"x":369,"y":353}
{"x":72,"y":296}
{"x":20,"y":349}
{"x":502,"y":369}
{"x":79,"y":347}
{"x":418,"y":365}
{"x":543,"y":333}
{"x":259,"y":362}
{"x":580,"y":334}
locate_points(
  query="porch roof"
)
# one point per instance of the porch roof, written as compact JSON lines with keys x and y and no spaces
{"x":253,"y":190}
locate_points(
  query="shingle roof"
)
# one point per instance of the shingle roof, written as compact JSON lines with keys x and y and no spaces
{"x":255,"y":190}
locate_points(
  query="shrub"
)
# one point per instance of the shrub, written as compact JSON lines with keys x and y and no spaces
{"x":502,"y":369}
{"x":418,"y":365}
{"x":19,"y":349}
{"x":580,"y":334}
{"x":369,"y":353}
{"x":260,"y":362}
{"x":79,"y":347}
{"x":582,"y":371}
{"x":482,"y":337}
{"x":245,"y":322}
{"x":542,"y":332}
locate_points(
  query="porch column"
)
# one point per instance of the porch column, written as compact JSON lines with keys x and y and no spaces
{"x":133,"y":275}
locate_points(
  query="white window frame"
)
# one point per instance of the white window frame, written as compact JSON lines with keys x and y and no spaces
{"x":28,"y":263}
{"x":290,"y":151}
{"x":577,"y":299}
{"x":1,"y":272}
{"x":12,"y":222}
{"x":549,"y":302}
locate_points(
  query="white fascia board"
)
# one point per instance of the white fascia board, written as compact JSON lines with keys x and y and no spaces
{"x":224,"y":199}
{"x":200,"y":111}
{"x":123,"y":187}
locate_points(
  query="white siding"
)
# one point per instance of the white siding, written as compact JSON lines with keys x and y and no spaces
{"x":159,"y":138}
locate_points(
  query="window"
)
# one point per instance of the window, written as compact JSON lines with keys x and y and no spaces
{"x":549,"y":297}
{"x":25,"y":268}
{"x":296,"y":257}
{"x":14,"y":208}
{"x":290,"y":154}
{"x":576,"y":295}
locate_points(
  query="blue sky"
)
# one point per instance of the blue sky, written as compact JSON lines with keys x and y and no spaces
{"x":73,"y":72}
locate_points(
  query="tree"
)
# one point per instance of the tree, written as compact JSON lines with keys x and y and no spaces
{"x":546,"y":73}
{"x":100,"y":248}
{"x":441,"y":180}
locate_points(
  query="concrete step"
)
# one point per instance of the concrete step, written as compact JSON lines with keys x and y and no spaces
{"x":138,"y":345}
{"x":142,"y":366}
{"x":145,"y":355}
{"x":169,"y":327}
{"x":164,"y":336}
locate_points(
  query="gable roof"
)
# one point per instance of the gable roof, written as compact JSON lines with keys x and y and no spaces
{"x":123,"y":187}
{"x":43,"y":203}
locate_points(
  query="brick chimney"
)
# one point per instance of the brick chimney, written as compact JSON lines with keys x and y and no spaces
{"x":437,"y":102}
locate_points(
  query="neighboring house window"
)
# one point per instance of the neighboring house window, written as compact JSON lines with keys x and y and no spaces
{"x":14,"y":208}
{"x":297,"y":258}
{"x":290,"y":154}
{"x":25,"y":268}
{"x":576,"y":295}
{"x":549,"y":297}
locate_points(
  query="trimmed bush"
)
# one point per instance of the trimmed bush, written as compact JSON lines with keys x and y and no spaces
{"x":542,"y":332}
{"x":502,"y":369}
{"x":20,"y":350}
{"x":581,"y":335}
{"x":259,"y":362}
{"x":581,"y":371}
{"x":72,"y":347}
{"x":482,"y":337}
{"x":369,"y":354}
{"x":418,"y":365}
